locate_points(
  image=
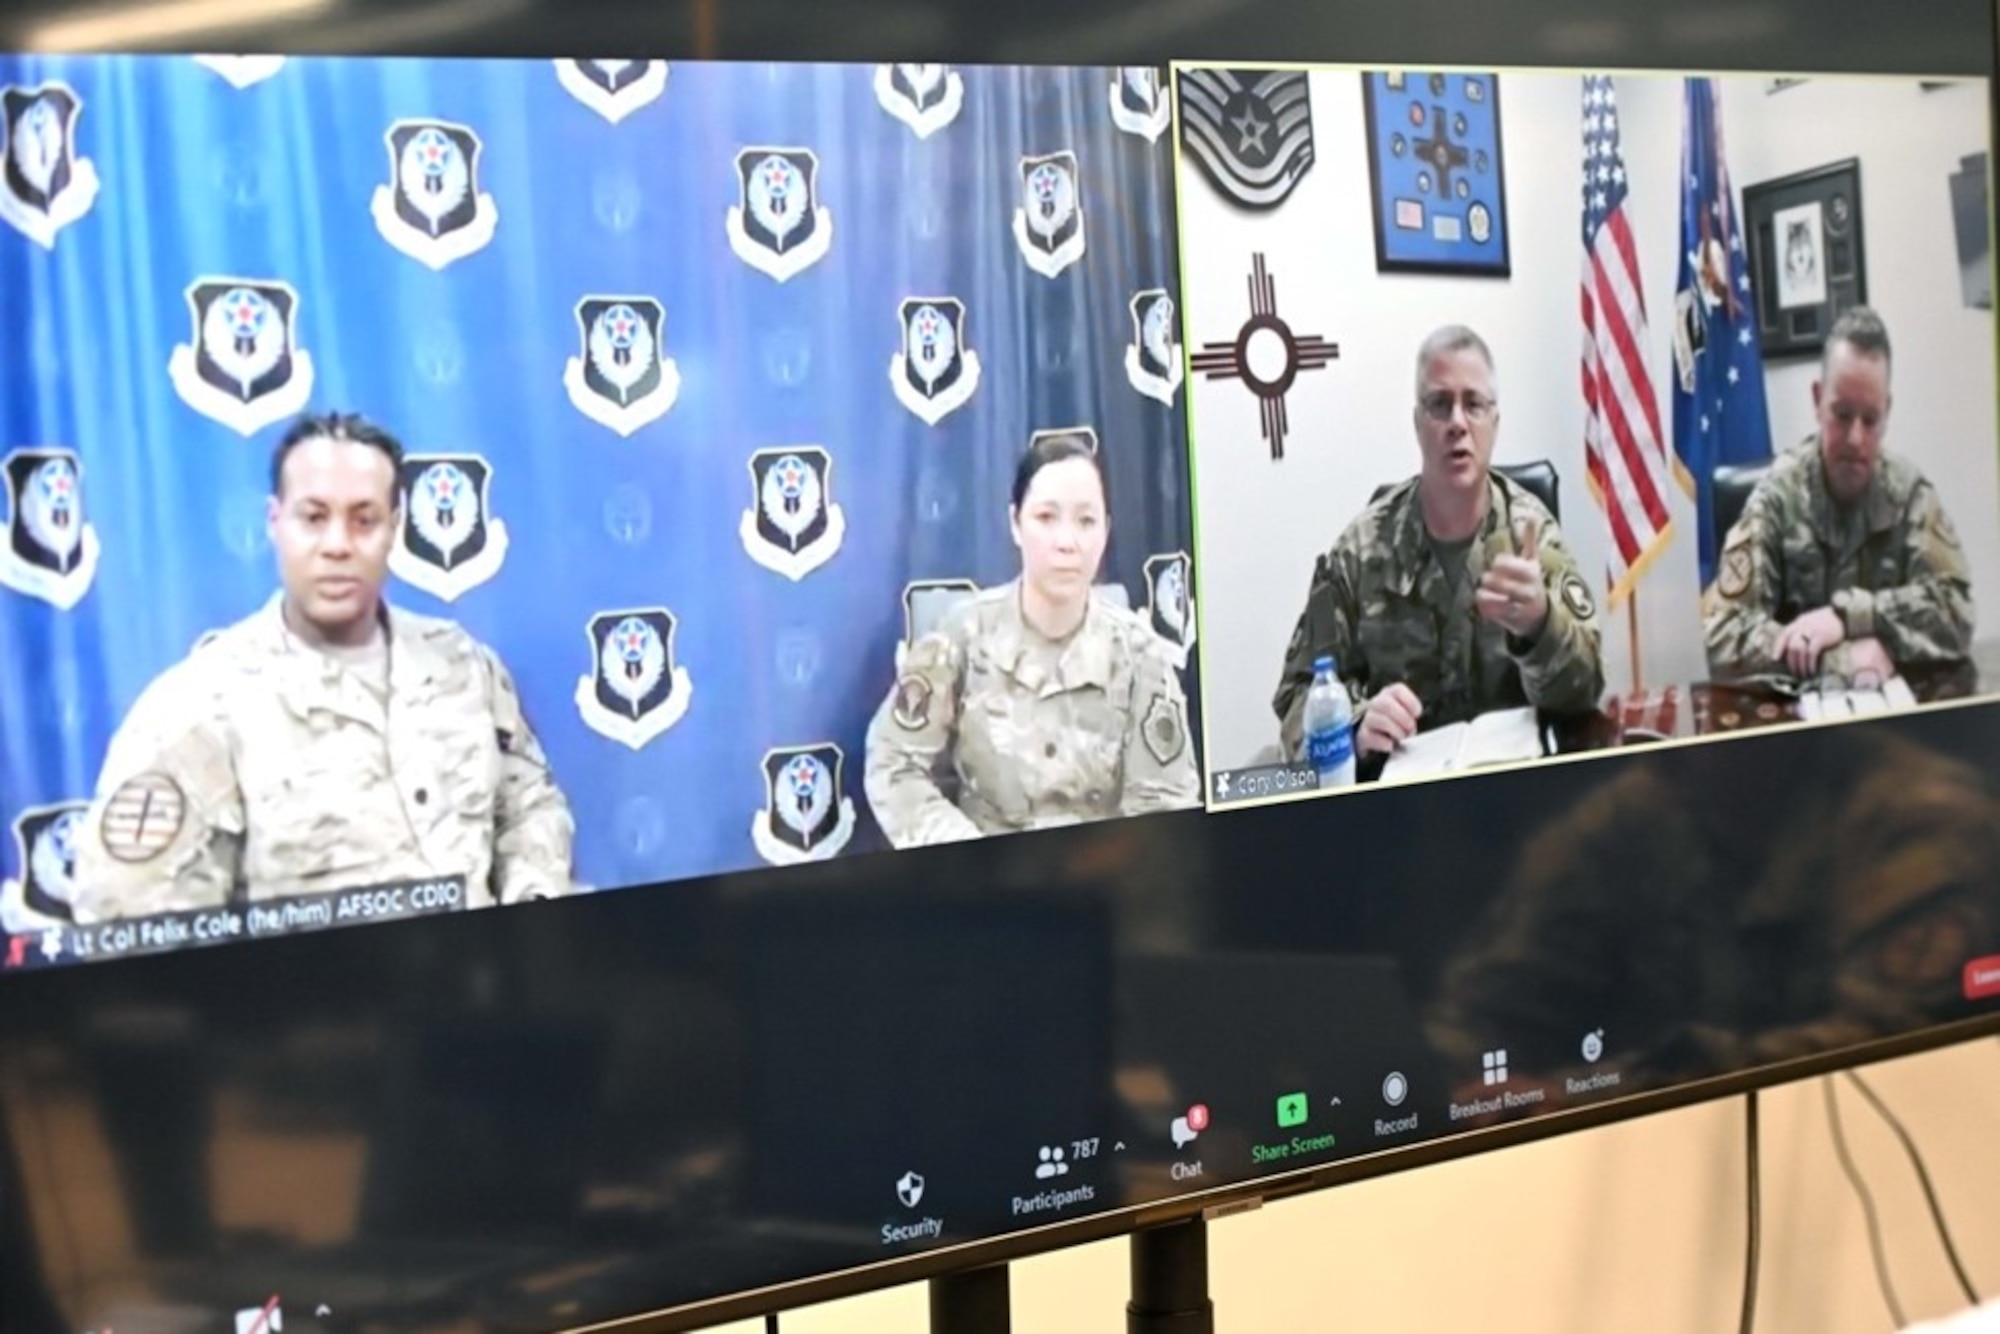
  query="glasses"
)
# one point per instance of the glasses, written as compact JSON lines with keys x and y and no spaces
{"x":1438,"y":406}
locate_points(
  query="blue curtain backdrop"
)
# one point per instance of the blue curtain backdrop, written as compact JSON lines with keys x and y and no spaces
{"x":589,"y":192}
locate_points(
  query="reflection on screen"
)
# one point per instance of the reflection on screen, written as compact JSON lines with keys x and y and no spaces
{"x":443,"y":484}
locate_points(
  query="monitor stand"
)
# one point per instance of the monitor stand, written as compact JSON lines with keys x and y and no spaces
{"x":1169,"y":1288}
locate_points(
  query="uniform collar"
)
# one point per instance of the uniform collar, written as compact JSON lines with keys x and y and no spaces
{"x":311,"y":679}
{"x":1877,"y":509}
{"x":1085,"y":659}
{"x":1409,"y":541}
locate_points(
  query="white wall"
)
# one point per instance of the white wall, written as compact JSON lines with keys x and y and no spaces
{"x":1262,"y":523}
{"x":1909,"y":142}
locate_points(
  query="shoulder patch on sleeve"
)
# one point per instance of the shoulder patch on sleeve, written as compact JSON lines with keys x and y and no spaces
{"x":1164,"y":729}
{"x":912,"y":709}
{"x":1576,"y":596}
{"x":1734,"y":577}
{"x":143,"y":817}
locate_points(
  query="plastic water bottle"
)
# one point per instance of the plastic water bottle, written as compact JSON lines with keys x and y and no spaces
{"x":1329,"y":727}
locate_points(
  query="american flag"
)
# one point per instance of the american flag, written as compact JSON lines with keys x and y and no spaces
{"x":1624,"y":447}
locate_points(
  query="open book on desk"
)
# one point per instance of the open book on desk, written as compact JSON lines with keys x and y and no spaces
{"x":1504,"y":736}
{"x":1857,"y":702}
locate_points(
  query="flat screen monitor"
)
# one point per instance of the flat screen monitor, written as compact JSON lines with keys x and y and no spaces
{"x":651,"y":689}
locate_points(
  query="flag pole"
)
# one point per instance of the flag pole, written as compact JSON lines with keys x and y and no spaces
{"x":1632,"y":622}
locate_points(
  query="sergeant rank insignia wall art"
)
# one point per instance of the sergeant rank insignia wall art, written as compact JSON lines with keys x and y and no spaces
{"x":924,"y":97}
{"x":244,"y":366}
{"x":935,"y":371}
{"x":432,"y":208}
{"x":450,"y":541}
{"x":1249,"y":131}
{"x":622,"y":378}
{"x":635,"y":690}
{"x":807,"y":816}
{"x":52,"y":549}
{"x":1048,"y":226}
{"x":614,"y":89}
{"x":44,"y":185}
{"x":793,"y":525}
{"x":779,"y":227}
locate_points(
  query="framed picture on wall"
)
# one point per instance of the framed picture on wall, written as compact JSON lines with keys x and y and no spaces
{"x":1807,"y":262}
{"x":1435,"y":172}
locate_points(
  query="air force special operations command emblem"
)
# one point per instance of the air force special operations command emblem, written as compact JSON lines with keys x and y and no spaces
{"x":44,"y":185}
{"x":242,"y":71}
{"x":806,"y":816}
{"x":51,"y":550}
{"x":792,"y":526}
{"x":450,"y":540}
{"x":432,"y":208}
{"x":1170,"y":603}
{"x":926,"y":602}
{"x":614,"y":89}
{"x":634,"y":690}
{"x":924,"y":97}
{"x":1153,"y":357}
{"x":779,"y":228}
{"x":46,"y":838}
{"x":1049,"y":224}
{"x":1139,"y":104}
{"x":244,"y":367}
{"x":935,"y":372}
{"x":623,"y":379}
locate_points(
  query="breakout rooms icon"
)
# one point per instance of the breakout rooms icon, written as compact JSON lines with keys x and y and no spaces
{"x":1266,"y":356}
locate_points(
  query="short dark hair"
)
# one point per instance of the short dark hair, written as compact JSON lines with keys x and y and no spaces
{"x":1861,"y":329}
{"x":1054,"y":448}
{"x":348,"y":426}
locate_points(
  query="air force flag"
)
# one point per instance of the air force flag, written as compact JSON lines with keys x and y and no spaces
{"x":924,"y":97}
{"x":51,"y":550}
{"x":935,"y":372}
{"x":634,"y":690}
{"x":244,"y":367}
{"x":1048,"y":226}
{"x":432,"y":208}
{"x":792,"y":526}
{"x":779,"y":227}
{"x":44,"y":185}
{"x":623,"y":378}
{"x":450,"y":541}
{"x":806,"y":816}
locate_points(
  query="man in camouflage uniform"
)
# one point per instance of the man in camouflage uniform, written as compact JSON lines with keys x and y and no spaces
{"x":1032,"y":733}
{"x":327,"y":741}
{"x":1452,"y":595}
{"x":1844,"y":564}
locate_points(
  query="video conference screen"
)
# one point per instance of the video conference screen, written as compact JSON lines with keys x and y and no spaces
{"x":1438,"y":596}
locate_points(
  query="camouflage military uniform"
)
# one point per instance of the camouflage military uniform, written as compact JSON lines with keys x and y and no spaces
{"x":1031,"y":733}
{"x":1891,"y":566}
{"x":1387,"y":611}
{"x":258,"y":768}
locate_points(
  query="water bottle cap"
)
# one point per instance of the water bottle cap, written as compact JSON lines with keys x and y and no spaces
{"x":1323,"y":663}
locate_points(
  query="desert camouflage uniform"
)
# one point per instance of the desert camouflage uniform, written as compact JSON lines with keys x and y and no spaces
{"x":1386,"y":610}
{"x":258,"y":768}
{"x":1032,"y":734}
{"x":1891,"y":566}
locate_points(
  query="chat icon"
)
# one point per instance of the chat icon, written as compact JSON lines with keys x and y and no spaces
{"x":1187,"y":1129}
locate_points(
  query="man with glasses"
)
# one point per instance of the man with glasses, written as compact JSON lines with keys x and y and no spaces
{"x":1844,"y":564}
{"x":1453,"y":594}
